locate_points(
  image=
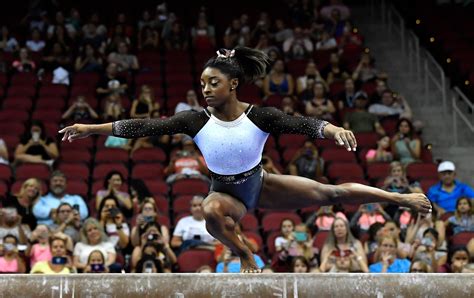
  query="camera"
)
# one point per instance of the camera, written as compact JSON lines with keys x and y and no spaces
{"x":97,"y":267}
{"x":75,"y":207}
{"x":35,"y":136}
{"x":114,"y":211}
{"x":426,"y":241}
{"x":59,"y":260}
{"x":152,"y":237}
{"x":148,"y":266}
{"x":148,"y":219}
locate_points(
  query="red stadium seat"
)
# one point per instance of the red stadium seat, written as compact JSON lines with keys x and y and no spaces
{"x":291,"y":141}
{"x":378,"y":170}
{"x":345,"y":170}
{"x":156,"y":186}
{"x":53,"y":90}
{"x":8,"y":115}
{"x":147,"y":171}
{"x":319,"y":239}
{"x":288,"y":154}
{"x":76,"y":171}
{"x":12,"y":129}
{"x":82,"y":144}
{"x":5,"y":172}
{"x":297,"y":68}
{"x":162,"y":203}
{"x":21,"y":91}
{"x":338,"y":155}
{"x":101,"y":171}
{"x":189,"y":187}
{"x":182,"y":204}
{"x":32,"y":170}
{"x":255,"y":236}
{"x":191,"y":260}
{"x":77,"y":187}
{"x":272,"y":221}
{"x":274,"y":101}
{"x":417,"y":171}
{"x":86,"y":79}
{"x":250,"y":91}
{"x":271,"y":242}
{"x":367,"y":139}
{"x":114,"y":155}
{"x":149,"y":155}
{"x":462,"y":238}
{"x":249,"y":222}
{"x":50,"y":103}
{"x":47,"y":115}
{"x":17,"y":103}
{"x":24,"y":79}
{"x":427,"y":183}
{"x":3,"y":190}
{"x":75,"y":156}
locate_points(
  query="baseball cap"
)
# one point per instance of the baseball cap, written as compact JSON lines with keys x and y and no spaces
{"x":446,"y":166}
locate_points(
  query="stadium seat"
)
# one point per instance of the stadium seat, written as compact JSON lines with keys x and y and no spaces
{"x":3,"y":190}
{"x":378,"y":170}
{"x":17,"y":103}
{"x":76,"y":171}
{"x":191,"y":260}
{"x":249,"y":222}
{"x":272,"y":221}
{"x":148,"y":155}
{"x":182,"y":204}
{"x":7,"y":115}
{"x":461,"y":238}
{"x":53,"y":90}
{"x":367,"y":139}
{"x":189,"y":187}
{"x":111,"y":155}
{"x":156,"y":186}
{"x":344,"y":170}
{"x":319,"y":239}
{"x":50,"y":102}
{"x":338,"y":155}
{"x":75,"y":156}
{"x":100,"y":171}
{"x":291,"y":141}
{"x":21,"y":91}
{"x":417,"y":171}
{"x":152,"y":170}
{"x":426,"y":183}
{"x":32,"y":170}
{"x":255,"y":236}
{"x":5,"y":172}
{"x":77,"y":187}
{"x":271,"y":242}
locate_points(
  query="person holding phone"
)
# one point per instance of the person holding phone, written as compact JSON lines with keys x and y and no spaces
{"x":59,"y":263}
{"x":67,"y":221}
{"x":36,"y":147}
{"x":11,"y":261}
{"x":23,"y":203}
{"x":148,"y":213}
{"x":302,"y":245}
{"x":367,"y":215}
{"x":39,"y":251}
{"x":10,"y":224}
{"x":96,"y":263}
{"x":113,"y":221}
{"x":113,"y":183}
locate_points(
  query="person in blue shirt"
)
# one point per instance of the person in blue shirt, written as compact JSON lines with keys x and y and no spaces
{"x":46,"y":206}
{"x":445,"y":193}
{"x":387,"y":255}
{"x":231,"y":262}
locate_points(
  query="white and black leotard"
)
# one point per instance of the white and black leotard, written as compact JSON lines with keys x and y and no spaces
{"x":232,"y":149}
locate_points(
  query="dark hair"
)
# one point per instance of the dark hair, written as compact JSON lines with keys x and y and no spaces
{"x":302,"y":259}
{"x":146,"y":259}
{"x":453,"y":250}
{"x":246,"y":64}
{"x":10,"y":236}
{"x":140,"y":187}
{"x":373,"y":229}
{"x":432,"y":232}
{"x":62,"y":205}
{"x":109,"y":175}
{"x":102,"y":204}
{"x":90,"y":255}
{"x":411,"y":134}
{"x":38,"y":123}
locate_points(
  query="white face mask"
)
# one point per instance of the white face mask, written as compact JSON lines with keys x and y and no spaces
{"x":9,"y":246}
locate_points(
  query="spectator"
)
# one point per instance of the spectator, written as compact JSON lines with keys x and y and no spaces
{"x":150,"y":263}
{"x":8,"y":43}
{"x":416,"y":232}
{"x":24,"y":62}
{"x":113,"y":222}
{"x":380,"y":87}
{"x":458,"y":258}
{"x":88,"y":60}
{"x":302,"y":245}
{"x":96,"y":263}
{"x":282,"y":32}
{"x":67,"y":221}
{"x":397,"y":180}
{"x":367,"y":215}
{"x":391,"y":105}
{"x":122,"y":20}
{"x":192,"y":103}
{"x":340,"y":238}
{"x":144,"y":104}
{"x":80,"y":111}
{"x":300,"y":265}
{"x":112,"y":184}
{"x":111,"y":82}
{"x":334,"y":25}
{"x":327,"y":42}
{"x":94,"y":28}
{"x":360,"y":120}
{"x":148,"y":39}
{"x":118,"y":36}
{"x":61,"y":37}
{"x":146,"y":21}
{"x":93,"y":238}
{"x":36,"y":147}
{"x":163,"y":253}
{"x":187,"y":163}
{"x":74,"y":19}
{"x":36,"y":43}
{"x":176,"y":38}
{"x":288,"y":106}
{"x":278,"y":81}
{"x":386,"y":256}
{"x":350,"y":38}
{"x":345,"y":261}
{"x":152,"y":141}
{"x":4,"y":159}
{"x":430,"y":250}
{"x":11,"y":261}
{"x":60,"y":22}
{"x":311,"y":73}
{"x":10,"y":224}
{"x":365,"y":71}
{"x":298,"y":46}
{"x":124,"y":60}
{"x":56,"y":56}
{"x":463,"y":218}
{"x":327,"y":10}
{"x":264,"y":44}
{"x":23,"y":202}
{"x":59,"y":263}
{"x":392,"y":228}
{"x":45,"y":209}
{"x":406,"y":146}
{"x":230,"y":262}
{"x":320,"y":106}
{"x":324,"y":217}
{"x":203,"y":35}
{"x":376,"y":230}
{"x":346,"y":99}
{"x":236,"y":35}
{"x":41,"y":250}
{"x":382,"y":153}
{"x":113,"y":108}
{"x":269,"y":166}
{"x":420,"y":267}
{"x":148,"y":213}
{"x":335,"y":71}
{"x":307,"y":162}
{"x":282,"y":243}
{"x":191,"y":230}
{"x":445,"y":193}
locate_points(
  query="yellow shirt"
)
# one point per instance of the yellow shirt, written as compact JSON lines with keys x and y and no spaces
{"x":43,"y":267}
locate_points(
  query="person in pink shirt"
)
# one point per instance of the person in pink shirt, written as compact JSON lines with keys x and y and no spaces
{"x":367,"y":215}
{"x":40,"y":251}
{"x":11,"y":262}
{"x":324,"y":217}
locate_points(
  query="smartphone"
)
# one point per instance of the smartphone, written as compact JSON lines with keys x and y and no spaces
{"x":148,"y":268}
{"x":75,"y":207}
{"x":426,"y":241}
{"x":148,"y":219}
{"x":370,"y":207}
{"x":301,"y":236}
{"x":59,"y":260}
{"x":114,"y":211}
{"x":97,"y":267}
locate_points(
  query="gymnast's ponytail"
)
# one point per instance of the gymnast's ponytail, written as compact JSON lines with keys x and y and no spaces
{"x":243,"y":63}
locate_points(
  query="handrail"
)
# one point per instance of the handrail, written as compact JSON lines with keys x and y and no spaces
{"x":458,"y":112}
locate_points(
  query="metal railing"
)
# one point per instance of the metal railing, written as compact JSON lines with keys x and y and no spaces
{"x":462,"y":109}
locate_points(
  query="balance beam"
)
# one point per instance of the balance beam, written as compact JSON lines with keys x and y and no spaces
{"x":283,"y":285}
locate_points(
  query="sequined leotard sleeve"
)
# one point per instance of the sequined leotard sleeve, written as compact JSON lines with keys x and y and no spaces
{"x":276,"y":122}
{"x":187,"y":122}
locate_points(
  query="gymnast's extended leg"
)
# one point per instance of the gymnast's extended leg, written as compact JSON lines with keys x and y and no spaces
{"x":293,"y":192}
{"x":222,"y":212}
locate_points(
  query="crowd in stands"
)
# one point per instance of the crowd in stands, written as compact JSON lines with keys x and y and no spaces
{"x":107,"y":204}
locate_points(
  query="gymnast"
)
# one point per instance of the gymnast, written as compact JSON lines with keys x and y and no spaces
{"x":231,"y":135}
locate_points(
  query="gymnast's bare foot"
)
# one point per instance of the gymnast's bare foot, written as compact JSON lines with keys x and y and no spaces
{"x":248,"y":265}
{"x":416,"y":201}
